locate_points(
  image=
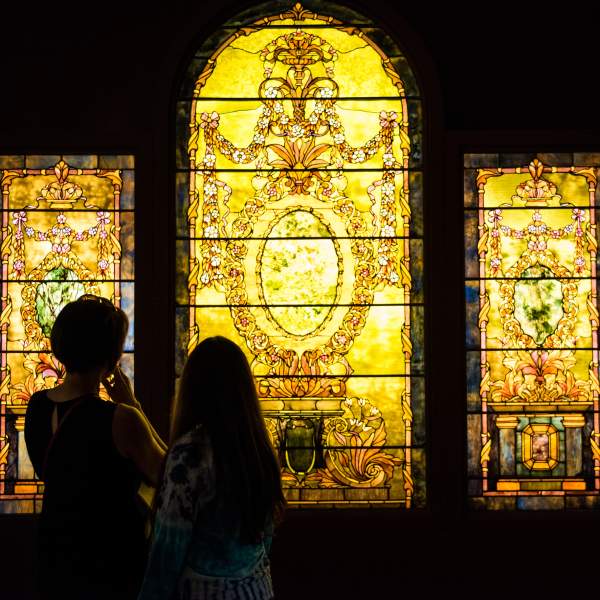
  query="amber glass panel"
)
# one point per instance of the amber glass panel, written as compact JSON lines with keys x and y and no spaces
{"x":67,"y":230}
{"x":301,"y":153}
{"x":532,"y":332}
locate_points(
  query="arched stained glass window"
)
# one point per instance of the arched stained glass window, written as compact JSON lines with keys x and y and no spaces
{"x":67,"y":230}
{"x":300,"y":238}
{"x":532,"y":330}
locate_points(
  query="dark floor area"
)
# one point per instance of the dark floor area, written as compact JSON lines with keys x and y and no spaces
{"x":347,"y":555}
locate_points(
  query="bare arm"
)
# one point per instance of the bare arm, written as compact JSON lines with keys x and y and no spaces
{"x":132,"y":434}
{"x":119,"y":389}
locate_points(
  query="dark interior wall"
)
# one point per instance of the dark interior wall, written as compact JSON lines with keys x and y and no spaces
{"x":101,"y":78}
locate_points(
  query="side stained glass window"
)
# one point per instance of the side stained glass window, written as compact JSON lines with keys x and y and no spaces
{"x":532,"y":331}
{"x":67,"y":230}
{"x":300,"y":238}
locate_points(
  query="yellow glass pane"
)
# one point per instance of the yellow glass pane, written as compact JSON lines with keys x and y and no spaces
{"x":311,"y":279}
{"x":358,"y":65}
{"x":376,"y":350}
{"x":63,"y":237}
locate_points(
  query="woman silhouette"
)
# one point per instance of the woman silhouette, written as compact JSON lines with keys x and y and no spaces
{"x":92,"y":455}
{"x":221,"y":491}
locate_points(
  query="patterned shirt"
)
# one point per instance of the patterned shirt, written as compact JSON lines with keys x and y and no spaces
{"x":191,"y":556}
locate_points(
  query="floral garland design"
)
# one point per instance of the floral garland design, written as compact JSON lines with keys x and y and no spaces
{"x":536,"y":374}
{"x":309,"y":160}
{"x":44,"y":370}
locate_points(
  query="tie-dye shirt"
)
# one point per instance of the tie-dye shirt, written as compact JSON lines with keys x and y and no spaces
{"x":188,"y":537}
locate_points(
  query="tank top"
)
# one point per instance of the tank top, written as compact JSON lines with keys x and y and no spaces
{"x":90,"y":532}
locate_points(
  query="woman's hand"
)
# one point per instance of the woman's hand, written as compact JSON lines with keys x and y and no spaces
{"x":119,"y":388}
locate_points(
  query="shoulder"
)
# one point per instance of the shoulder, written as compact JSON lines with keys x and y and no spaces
{"x":191,"y":448}
{"x":126,"y":413}
{"x":39,"y":396}
{"x":129,"y":425}
{"x":189,"y":454}
{"x":36,"y":404}
{"x":98,"y":405}
{"x":189,"y":475}
{"x":37,"y":399}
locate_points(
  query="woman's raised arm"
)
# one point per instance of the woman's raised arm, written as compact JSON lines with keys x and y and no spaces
{"x":133,"y":434}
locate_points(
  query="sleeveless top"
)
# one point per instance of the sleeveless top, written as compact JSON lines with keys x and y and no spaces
{"x":90,"y":531}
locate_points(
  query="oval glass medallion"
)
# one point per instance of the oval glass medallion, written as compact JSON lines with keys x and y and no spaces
{"x":299,"y":271}
{"x":538,"y":302}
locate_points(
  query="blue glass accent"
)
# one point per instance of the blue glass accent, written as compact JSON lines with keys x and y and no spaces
{"x":472,"y":333}
{"x":127,"y":305}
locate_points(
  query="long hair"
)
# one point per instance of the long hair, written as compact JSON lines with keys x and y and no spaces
{"x":217,"y":390}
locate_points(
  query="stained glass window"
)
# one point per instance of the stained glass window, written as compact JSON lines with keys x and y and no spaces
{"x":300,"y":238}
{"x":67,"y":230}
{"x":532,"y":331}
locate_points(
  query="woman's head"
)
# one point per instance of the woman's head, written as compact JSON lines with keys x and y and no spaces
{"x":88,"y":334}
{"x":217,"y":391}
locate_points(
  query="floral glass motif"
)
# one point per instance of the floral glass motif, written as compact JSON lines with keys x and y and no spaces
{"x":532,"y":338}
{"x":67,"y":230}
{"x":300,"y":243}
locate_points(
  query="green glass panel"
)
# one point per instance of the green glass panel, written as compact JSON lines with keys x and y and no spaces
{"x":416,"y":270}
{"x":116,"y":161}
{"x":182,"y":199}
{"x":81,"y":161}
{"x":417,"y":334}
{"x":59,"y":287}
{"x":474,"y":161}
{"x":538,"y":303}
{"x":415,"y":179}
{"x":297,"y":271}
{"x":515,"y":159}
{"x":417,"y":390}
{"x":8,"y":161}
{"x":34,"y":161}
{"x":474,"y":437}
{"x":470,"y":188}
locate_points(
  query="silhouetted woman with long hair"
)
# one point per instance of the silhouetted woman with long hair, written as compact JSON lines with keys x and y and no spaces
{"x":221,"y":492}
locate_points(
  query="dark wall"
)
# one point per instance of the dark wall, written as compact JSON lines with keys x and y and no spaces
{"x":512,"y":76}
